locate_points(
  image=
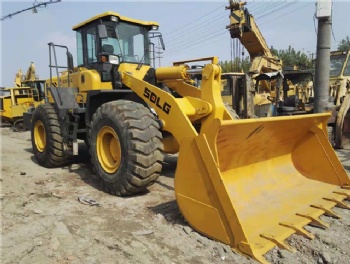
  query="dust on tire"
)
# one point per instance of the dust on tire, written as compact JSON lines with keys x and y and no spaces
{"x":141,"y":147}
{"x":53,"y":155}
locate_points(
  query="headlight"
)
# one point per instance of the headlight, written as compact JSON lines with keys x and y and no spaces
{"x":154,"y":27}
{"x":113,"y":59}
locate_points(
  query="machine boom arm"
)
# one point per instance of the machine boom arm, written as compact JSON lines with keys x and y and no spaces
{"x":243,"y":26}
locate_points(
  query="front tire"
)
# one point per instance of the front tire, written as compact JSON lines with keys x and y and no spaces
{"x":47,"y":141}
{"x":126,"y":149}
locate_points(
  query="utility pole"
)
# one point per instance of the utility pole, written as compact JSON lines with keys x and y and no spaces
{"x":324,"y":16}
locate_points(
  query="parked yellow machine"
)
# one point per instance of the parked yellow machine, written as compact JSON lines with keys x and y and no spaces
{"x":339,"y":90}
{"x":290,"y":98}
{"x":267,"y":92}
{"x":27,"y":94}
{"x":31,"y":80}
{"x":17,"y":101}
{"x":248,"y":183}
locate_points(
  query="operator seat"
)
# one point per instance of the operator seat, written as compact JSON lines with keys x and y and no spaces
{"x":108,"y":48}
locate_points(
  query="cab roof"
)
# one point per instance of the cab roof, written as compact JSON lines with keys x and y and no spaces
{"x":339,"y":52}
{"x":121,"y":18}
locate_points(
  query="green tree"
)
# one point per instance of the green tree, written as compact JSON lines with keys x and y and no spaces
{"x":291,"y":57}
{"x":237,"y":65}
{"x":344,"y":44}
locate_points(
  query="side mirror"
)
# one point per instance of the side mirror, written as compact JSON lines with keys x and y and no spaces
{"x":158,"y":35}
{"x":102,"y":31}
{"x":161,"y":41}
{"x":70,"y":61}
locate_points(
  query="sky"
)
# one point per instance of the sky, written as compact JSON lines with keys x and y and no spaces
{"x":190,"y":29}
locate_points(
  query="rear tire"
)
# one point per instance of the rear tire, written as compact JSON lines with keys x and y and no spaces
{"x":126,"y":149}
{"x":19,"y":126}
{"x":46,"y":137}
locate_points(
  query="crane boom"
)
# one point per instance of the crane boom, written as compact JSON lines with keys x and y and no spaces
{"x":243,"y":27}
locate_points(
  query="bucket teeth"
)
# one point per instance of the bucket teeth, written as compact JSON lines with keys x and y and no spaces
{"x":298,"y":230}
{"x":278,"y":242}
{"x":340,"y":204}
{"x":315,"y":221}
{"x":346,"y":193}
{"x":327,"y":212}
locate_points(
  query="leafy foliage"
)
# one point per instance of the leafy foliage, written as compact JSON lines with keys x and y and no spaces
{"x":344,"y":44}
{"x":237,"y":65}
{"x":291,"y":57}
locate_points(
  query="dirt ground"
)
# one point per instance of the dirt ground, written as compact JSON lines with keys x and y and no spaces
{"x":43,"y":220}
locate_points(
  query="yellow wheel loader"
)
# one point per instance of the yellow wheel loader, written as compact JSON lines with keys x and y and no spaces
{"x":248,"y":183}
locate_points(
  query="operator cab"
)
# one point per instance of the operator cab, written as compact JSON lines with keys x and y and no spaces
{"x":38,"y":88}
{"x":340,"y":64}
{"x":109,"y":40}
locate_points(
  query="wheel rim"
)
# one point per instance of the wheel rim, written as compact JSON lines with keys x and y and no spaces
{"x":108,"y":149}
{"x":40,"y":136}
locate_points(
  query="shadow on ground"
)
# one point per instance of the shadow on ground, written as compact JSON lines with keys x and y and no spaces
{"x":170,"y":211}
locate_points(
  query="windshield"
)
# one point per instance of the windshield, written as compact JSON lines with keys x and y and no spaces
{"x":129,"y":42}
{"x":336,"y":64}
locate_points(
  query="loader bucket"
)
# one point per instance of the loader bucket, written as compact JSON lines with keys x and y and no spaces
{"x":253,"y":183}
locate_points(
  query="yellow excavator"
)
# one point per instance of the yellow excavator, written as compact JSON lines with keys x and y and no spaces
{"x":31,"y":80}
{"x":248,"y":183}
{"x":27,"y":94}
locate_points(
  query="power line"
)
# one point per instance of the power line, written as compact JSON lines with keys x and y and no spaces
{"x":286,"y":14}
{"x":193,"y":35}
{"x":187,"y":24}
{"x":272,"y":11}
{"x":197,"y":27}
{"x":198,"y":42}
{"x":197,"y":30}
{"x":208,"y":34}
{"x":266,"y":9}
{"x":194,"y":27}
{"x":35,"y":5}
{"x":276,"y":10}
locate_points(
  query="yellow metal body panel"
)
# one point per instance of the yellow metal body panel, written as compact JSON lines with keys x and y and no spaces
{"x":92,"y":80}
{"x":258,"y":180}
{"x":17,"y":103}
{"x":121,"y":18}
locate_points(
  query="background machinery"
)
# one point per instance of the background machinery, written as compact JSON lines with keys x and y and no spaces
{"x":31,"y":80}
{"x":339,"y":91}
{"x":27,"y":94}
{"x":293,"y":95}
{"x":266,"y":90}
{"x":226,"y":178}
{"x":14,"y":103}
